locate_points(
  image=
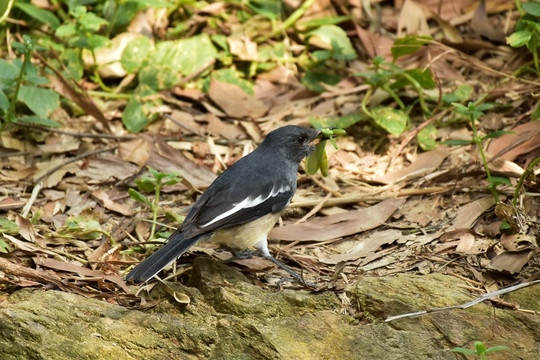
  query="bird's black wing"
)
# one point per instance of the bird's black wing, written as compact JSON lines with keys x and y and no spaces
{"x":238,"y":197}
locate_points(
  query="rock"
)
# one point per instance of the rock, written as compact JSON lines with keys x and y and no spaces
{"x":230,"y":318}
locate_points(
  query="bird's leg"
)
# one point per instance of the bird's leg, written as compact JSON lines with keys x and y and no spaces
{"x":263,"y":248}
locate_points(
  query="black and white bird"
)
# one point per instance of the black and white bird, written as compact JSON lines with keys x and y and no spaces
{"x":242,"y":205}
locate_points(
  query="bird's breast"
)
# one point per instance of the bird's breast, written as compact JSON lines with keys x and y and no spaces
{"x":246,"y":236}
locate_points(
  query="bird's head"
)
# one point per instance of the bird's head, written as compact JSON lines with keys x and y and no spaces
{"x":294,"y":142}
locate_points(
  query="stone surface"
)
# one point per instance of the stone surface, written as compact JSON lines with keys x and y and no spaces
{"x":229,"y":318}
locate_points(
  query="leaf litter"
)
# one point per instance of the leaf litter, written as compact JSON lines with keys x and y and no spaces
{"x":385,"y":207}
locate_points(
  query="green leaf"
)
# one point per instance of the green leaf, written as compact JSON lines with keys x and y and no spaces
{"x":92,"y":22}
{"x":232,"y":76}
{"x":39,"y":121}
{"x":154,"y":3}
{"x":133,"y":117}
{"x":96,"y":41}
{"x":427,"y":137}
{"x":484,"y":107}
{"x":498,"y":133}
{"x":532,"y":8}
{"x":39,"y":14}
{"x":456,"y":142}
{"x":335,"y":38}
{"x":269,"y":8}
{"x":134,"y":53}
{"x":8,"y":227}
{"x":4,"y":102}
{"x":464,"y":92}
{"x":480,"y":348}
{"x":424,"y":78}
{"x":156,"y":174}
{"x":73,"y":63}
{"x":392,"y":120}
{"x":519,"y":38}
{"x":464,"y":351}
{"x":85,"y":227}
{"x":163,"y":65}
{"x":158,"y":78}
{"x":500,"y":180}
{"x":536,"y":113}
{"x":461,"y":107}
{"x":66,"y":30}
{"x":341,"y":122}
{"x":332,"y":20}
{"x":496,"y":348}
{"x":137,"y":196}
{"x":41,"y":101}
{"x":146,"y":184}
{"x":408,"y":45}
{"x":314,"y":77}
{"x":315,"y":161}
{"x":8,"y":71}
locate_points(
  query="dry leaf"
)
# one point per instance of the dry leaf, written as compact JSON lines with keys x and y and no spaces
{"x":235,"y":101}
{"x":468,"y":214}
{"x":336,"y":226}
{"x":511,"y":262}
{"x":424,"y":164}
{"x":110,"y":204}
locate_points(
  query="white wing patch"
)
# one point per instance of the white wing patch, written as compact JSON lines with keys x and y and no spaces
{"x":247,"y":203}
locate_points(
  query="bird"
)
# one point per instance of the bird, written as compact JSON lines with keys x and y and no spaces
{"x":242,"y":204}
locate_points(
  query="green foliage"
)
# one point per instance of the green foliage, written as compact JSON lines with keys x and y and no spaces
{"x":480,"y":350}
{"x":408,"y":45}
{"x":472,"y":113}
{"x":393,"y":79}
{"x":85,"y":227}
{"x":153,"y":183}
{"x":527,"y":31}
{"x":19,"y":83}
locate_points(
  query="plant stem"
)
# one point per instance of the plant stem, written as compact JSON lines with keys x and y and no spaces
{"x":368,"y":94}
{"x":155,"y":209}
{"x":522,"y":178}
{"x":10,"y":116}
{"x":478,"y":141}
{"x":6,"y":12}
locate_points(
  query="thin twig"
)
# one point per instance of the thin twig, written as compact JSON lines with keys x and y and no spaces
{"x":479,"y":299}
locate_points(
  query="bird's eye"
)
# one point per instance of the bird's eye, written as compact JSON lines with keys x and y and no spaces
{"x":301,"y":139}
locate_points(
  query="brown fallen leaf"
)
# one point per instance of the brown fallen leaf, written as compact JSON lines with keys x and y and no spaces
{"x":366,"y":246}
{"x":510,"y":261}
{"x":424,"y":164}
{"x":28,"y":232}
{"x":468,"y":214}
{"x":80,"y":270}
{"x":107,"y":169}
{"x":336,"y":226}
{"x":235,"y":101}
{"x":481,"y":25}
{"x":221,"y":128}
{"x":525,"y":139}
{"x":412,"y":20}
{"x":102,"y":196}
{"x":153,"y":151}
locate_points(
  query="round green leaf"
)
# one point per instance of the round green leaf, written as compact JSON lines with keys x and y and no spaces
{"x":518,"y":38}
{"x":392,"y":120}
{"x":427,"y":137}
{"x":134,"y":53}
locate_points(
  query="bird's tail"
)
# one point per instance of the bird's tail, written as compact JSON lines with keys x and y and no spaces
{"x":176,"y":246}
